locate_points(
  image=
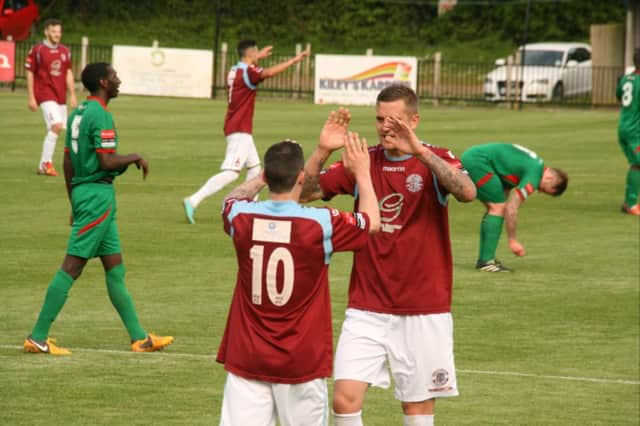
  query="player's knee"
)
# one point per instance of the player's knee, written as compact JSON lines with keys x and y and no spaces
{"x":418,"y":408}
{"x":56,"y":128}
{"x":346,"y":402}
{"x":495,"y":209}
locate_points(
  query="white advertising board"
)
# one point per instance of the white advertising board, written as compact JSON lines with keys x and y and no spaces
{"x":164,"y":72}
{"x":357,"y":80}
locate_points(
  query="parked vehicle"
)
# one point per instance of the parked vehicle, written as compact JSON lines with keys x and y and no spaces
{"x":17,"y":18}
{"x":551,"y":71}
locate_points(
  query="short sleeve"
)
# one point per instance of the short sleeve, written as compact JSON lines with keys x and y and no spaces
{"x":619,"y":88}
{"x":255,"y":74}
{"x":530,"y":181}
{"x":336,"y":180}
{"x":228,"y":212}
{"x":30,"y":62}
{"x":103,"y":134}
{"x":448,"y":156}
{"x":350,"y":230}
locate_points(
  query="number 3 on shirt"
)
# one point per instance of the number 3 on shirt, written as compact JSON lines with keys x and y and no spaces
{"x":280,"y":254}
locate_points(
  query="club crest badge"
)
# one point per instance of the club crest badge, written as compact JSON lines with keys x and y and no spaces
{"x":414,"y":183}
{"x":440,"y":377}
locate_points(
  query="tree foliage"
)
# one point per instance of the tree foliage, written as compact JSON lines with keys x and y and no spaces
{"x":399,"y":26}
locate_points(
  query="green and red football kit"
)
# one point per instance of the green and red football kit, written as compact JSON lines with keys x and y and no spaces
{"x":628,"y":91}
{"x":496,"y":169}
{"x":94,"y":231}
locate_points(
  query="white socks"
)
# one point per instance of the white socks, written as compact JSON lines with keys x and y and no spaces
{"x":48,"y":147}
{"x":418,"y":420}
{"x":213,"y":185}
{"x":351,"y":419}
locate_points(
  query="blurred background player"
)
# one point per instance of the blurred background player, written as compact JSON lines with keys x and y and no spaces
{"x":278,"y":342}
{"x":628,"y":92}
{"x":90,"y":166}
{"x":496,"y":169}
{"x":49,"y":78}
{"x":242,"y":84}
{"x":399,"y":309}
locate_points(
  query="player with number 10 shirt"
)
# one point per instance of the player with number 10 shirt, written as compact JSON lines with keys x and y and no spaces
{"x":278,"y":342}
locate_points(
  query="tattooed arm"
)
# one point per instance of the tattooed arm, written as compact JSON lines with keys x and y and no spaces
{"x":248,"y":189}
{"x":452,"y":179}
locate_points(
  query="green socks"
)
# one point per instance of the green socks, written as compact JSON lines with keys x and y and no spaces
{"x":490,"y":230}
{"x":121,"y":300}
{"x":633,"y":186}
{"x":53,"y":303}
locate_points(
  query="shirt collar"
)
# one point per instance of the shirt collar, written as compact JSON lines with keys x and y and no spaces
{"x":99,"y":100}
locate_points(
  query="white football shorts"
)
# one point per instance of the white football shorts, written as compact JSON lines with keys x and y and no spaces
{"x":241,"y":152}
{"x":53,"y":113}
{"x":250,"y":402}
{"x":418,"y":349}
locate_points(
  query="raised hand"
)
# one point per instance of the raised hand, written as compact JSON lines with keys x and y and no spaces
{"x":265,"y":52}
{"x":401,"y":136}
{"x":300,"y":56}
{"x":334,"y":133}
{"x":356,"y":155}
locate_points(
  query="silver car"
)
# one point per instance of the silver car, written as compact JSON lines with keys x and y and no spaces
{"x":550,"y":71}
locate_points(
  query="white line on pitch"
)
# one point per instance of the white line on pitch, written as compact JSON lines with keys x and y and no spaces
{"x":464,"y":371}
{"x":545,"y":376}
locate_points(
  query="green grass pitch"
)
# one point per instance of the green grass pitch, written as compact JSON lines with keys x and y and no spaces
{"x":557,"y":342}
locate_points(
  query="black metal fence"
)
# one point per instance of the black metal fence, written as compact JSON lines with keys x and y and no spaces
{"x":437,"y":80}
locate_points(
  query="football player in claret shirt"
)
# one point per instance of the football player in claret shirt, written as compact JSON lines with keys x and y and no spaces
{"x":628,"y":92}
{"x":277,"y":345}
{"x":497,"y":169}
{"x":49,"y":78}
{"x":91,"y":164}
{"x":399,"y":308}
{"x":242,"y":85}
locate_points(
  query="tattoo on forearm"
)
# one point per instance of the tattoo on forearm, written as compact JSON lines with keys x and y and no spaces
{"x":247,"y":190}
{"x":452,"y":179}
{"x":311,"y":187}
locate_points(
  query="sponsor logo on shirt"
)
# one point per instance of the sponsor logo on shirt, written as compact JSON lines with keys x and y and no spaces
{"x":108,"y":138}
{"x":393,"y":168}
{"x":55,"y":68}
{"x":390,"y":209}
{"x":271,"y":231}
{"x":414,"y":182}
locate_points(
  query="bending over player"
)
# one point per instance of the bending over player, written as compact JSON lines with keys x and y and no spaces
{"x":277,"y":345}
{"x":497,"y":169}
{"x":90,"y":166}
{"x":399,"y":309}
{"x":242,"y":85}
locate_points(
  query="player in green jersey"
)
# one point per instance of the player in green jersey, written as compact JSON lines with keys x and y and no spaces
{"x":628,"y":93}
{"x":505,"y":175}
{"x":90,"y":166}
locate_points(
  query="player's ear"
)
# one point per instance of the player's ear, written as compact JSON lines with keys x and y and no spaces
{"x":300,"y":179}
{"x":415,"y":119}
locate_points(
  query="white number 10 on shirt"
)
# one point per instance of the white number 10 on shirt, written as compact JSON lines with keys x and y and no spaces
{"x":280,"y":254}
